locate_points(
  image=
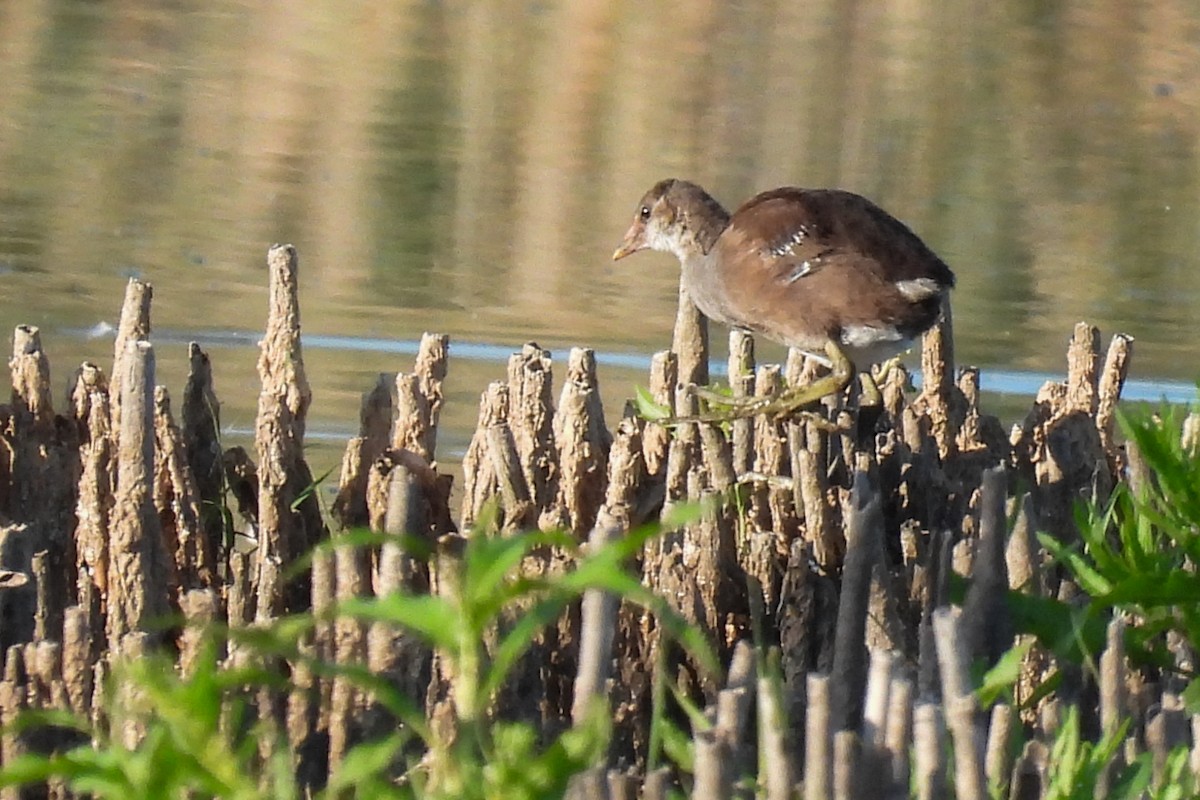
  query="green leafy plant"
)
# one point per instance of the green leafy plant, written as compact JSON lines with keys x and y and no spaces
{"x":1136,"y":557}
{"x":996,"y":684}
{"x":190,"y":733}
{"x":1079,"y":768}
{"x":1078,"y":765}
{"x":187,"y":732}
{"x":483,"y":587}
{"x":1135,"y":550}
{"x":647,"y":407}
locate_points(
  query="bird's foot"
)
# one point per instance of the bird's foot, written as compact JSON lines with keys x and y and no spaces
{"x":722,"y":407}
{"x":881,"y":371}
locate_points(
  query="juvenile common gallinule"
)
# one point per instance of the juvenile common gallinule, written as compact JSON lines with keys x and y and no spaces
{"x":822,"y":270}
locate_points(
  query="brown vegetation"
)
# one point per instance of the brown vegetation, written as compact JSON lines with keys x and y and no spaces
{"x":836,"y":532}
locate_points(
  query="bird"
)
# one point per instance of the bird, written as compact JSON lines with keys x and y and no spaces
{"x":825,"y":271}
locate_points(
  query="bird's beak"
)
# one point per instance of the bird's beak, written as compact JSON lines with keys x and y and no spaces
{"x":634,"y":240}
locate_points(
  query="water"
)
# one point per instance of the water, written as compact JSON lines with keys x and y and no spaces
{"x":468,"y":169}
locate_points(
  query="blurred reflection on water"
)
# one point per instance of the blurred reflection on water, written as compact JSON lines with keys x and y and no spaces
{"x":468,"y":167}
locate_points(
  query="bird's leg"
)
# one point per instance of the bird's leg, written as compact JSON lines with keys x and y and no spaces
{"x":722,"y":407}
{"x":783,"y":404}
{"x":870,"y":393}
{"x":718,"y":397}
{"x":880,"y":372}
{"x":733,"y":407}
{"x":794,"y":399}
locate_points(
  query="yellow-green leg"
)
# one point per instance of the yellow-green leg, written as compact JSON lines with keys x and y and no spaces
{"x":880,"y":372}
{"x":842,"y":371}
{"x":781,"y":404}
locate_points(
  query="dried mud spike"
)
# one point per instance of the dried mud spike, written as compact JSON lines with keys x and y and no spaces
{"x":1112,"y":381}
{"x":818,"y":740}
{"x":929,"y":750}
{"x":201,"y":609}
{"x":741,"y":382}
{"x":479,"y":477}
{"x":12,"y":705}
{"x":809,"y":453}
{"x":583,"y":443}
{"x":200,"y":413}
{"x":241,"y":476}
{"x":77,"y":657}
{"x":959,"y":704}
{"x":91,"y":409}
{"x":413,"y":416}
{"x":864,"y":538}
{"x":777,"y":763}
{"x":375,"y":413}
{"x":33,"y":412}
{"x":531,"y":420}
{"x":350,"y":648}
{"x":899,"y":734}
{"x":289,"y":518}
{"x":406,"y":513}
{"x":773,"y":506}
{"x":41,"y":583}
{"x":656,"y":440}
{"x":939,"y":396}
{"x":429,"y":516}
{"x":516,"y":500}
{"x":350,"y":507}
{"x":987,"y":629}
{"x":140,"y":571}
{"x":690,"y":341}
{"x":718,"y":458}
{"x":133,"y":326}
{"x":178,"y":502}
{"x":38,"y":459}
{"x":1083,"y":354}
{"x":626,"y":474}
{"x":432,"y":364}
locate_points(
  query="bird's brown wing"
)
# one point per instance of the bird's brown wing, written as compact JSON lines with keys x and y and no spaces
{"x":817,"y":261}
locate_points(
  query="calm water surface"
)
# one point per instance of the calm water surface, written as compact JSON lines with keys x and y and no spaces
{"x":468,"y":168}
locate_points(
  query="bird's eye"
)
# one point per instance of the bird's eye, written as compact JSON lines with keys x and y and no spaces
{"x":644,"y":213}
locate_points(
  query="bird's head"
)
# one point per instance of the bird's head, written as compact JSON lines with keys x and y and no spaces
{"x":675,"y":217}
